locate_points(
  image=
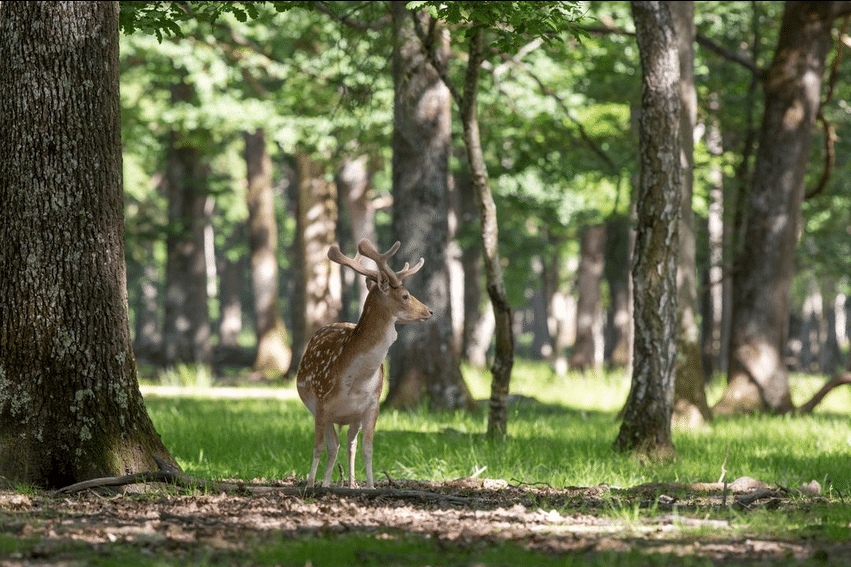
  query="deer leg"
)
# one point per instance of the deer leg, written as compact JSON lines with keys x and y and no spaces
{"x":368,"y":432}
{"x":318,"y":441}
{"x":332,"y":442}
{"x":351,"y":450}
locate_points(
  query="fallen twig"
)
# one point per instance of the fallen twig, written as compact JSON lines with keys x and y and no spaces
{"x":170,"y":475}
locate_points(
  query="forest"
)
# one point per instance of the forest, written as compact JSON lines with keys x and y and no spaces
{"x":269,"y":139}
{"x":643,"y":199}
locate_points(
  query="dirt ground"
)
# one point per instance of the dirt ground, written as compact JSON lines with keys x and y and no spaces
{"x":177,"y":524}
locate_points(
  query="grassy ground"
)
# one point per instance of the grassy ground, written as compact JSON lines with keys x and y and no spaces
{"x":562,"y":438}
{"x":561,"y":431}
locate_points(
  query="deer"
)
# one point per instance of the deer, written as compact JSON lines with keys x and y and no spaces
{"x":341,"y":374}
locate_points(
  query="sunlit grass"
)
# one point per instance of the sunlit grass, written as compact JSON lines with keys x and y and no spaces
{"x":562,"y":438}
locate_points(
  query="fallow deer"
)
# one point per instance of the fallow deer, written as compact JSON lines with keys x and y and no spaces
{"x":341,"y":374}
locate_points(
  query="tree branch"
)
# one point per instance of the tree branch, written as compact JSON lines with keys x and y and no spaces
{"x":352,"y":23}
{"x":609,"y":27}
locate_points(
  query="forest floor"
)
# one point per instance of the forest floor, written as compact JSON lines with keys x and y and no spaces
{"x":160,"y":524}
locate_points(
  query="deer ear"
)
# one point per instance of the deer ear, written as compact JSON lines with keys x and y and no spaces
{"x":383,"y":286}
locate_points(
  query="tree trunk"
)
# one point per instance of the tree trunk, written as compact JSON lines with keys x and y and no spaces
{"x":320,"y":284}
{"x":561,"y":310}
{"x":70,"y":406}
{"x":504,"y":348}
{"x":424,"y":359}
{"x":616,"y":263}
{"x":186,"y":328}
{"x":273,"y":351}
{"x":353,"y":189}
{"x":690,"y":406}
{"x":716,"y":315}
{"x":472,"y":349}
{"x":589,"y":313}
{"x":646,"y":426}
{"x":230,"y":290}
{"x":147,"y":342}
{"x":757,"y":378}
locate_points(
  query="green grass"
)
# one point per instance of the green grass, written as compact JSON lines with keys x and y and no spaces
{"x":563,"y":439}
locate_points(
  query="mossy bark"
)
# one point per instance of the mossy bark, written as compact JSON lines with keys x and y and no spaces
{"x":70,"y":406}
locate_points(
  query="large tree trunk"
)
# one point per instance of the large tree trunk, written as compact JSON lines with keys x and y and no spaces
{"x":273,"y":351}
{"x":757,"y":378}
{"x":70,"y":406}
{"x":690,"y":406}
{"x":646,"y":426}
{"x":186,"y":327}
{"x":587,"y":350}
{"x":320,"y":286}
{"x":424,"y":359}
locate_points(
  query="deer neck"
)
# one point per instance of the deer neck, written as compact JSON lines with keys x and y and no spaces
{"x":376,"y":329}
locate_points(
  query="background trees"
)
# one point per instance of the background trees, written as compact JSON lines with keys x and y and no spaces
{"x":558,"y":138}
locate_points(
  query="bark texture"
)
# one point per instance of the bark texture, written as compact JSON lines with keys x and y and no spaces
{"x":424,"y":360}
{"x":70,"y":406}
{"x":757,"y":379}
{"x":646,"y":426}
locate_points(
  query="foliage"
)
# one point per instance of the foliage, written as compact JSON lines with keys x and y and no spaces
{"x":513,"y":22}
{"x":166,"y":18}
{"x":557,"y":109}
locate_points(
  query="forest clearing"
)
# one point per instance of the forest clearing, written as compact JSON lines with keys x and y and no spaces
{"x":451,"y":498}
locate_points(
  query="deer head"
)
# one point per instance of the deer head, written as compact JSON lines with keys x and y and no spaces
{"x":384,"y":282}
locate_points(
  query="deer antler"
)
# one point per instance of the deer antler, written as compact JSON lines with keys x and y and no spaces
{"x":335,"y":255}
{"x":366,"y":248}
{"x":383,"y":273}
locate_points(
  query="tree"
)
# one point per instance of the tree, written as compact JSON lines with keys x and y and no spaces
{"x":757,"y":379}
{"x":690,"y":405}
{"x":545,"y":19}
{"x":424,"y":358}
{"x":70,"y":406}
{"x":646,"y":426}
{"x":273,"y":352}
{"x":319,"y":283}
{"x":186,"y":327}
{"x":588,"y":309}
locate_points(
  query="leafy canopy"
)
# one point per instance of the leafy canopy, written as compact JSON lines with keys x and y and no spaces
{"x":163,"y":17}
{"x":514,"y":22}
